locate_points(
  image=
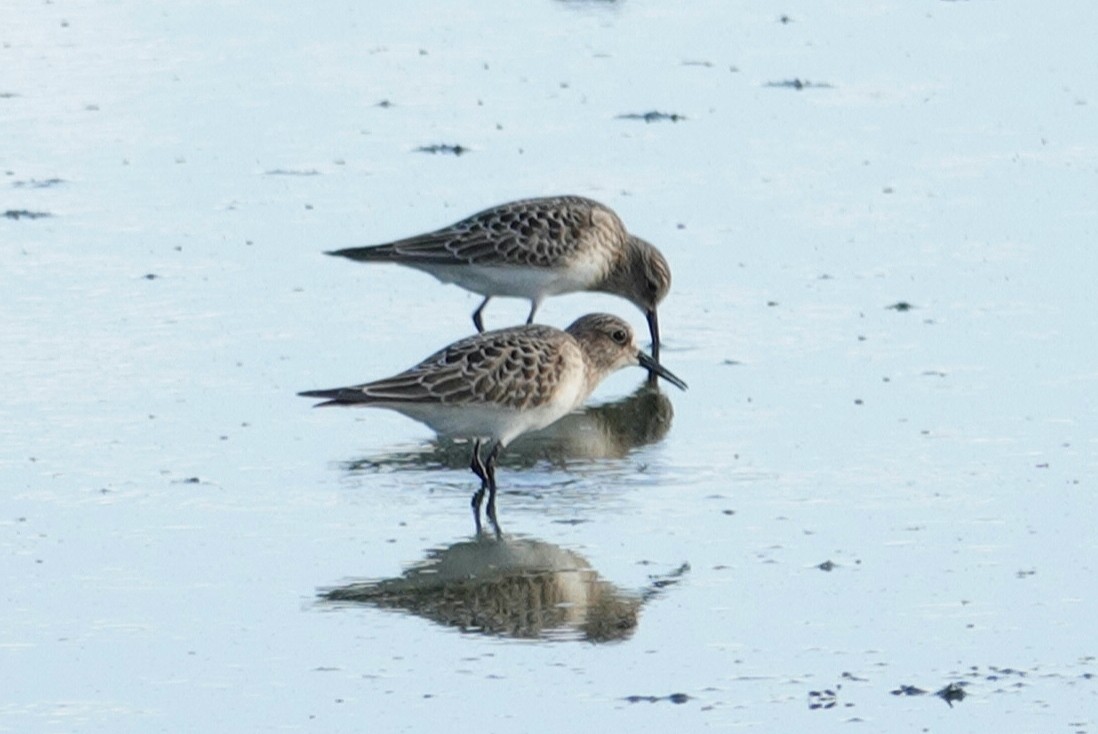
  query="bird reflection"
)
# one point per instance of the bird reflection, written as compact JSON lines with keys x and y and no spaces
{"x":512,"y":587}
{"x":606,"y":431}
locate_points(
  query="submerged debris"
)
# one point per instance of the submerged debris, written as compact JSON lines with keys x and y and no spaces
{"x":825,"y":699}
{"x":653,"y":116}
{"x":673,"y":698}
{"x":443,"y":148}
{"x":906,"y":690}
{"x":900,"y":306}
{"x":952,"y":692}
{"x":798,"y":84}
{"x":36,"y":183}
{"x":659,"y":583}
{"x":25,"y":214}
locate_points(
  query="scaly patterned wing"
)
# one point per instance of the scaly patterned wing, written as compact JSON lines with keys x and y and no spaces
{"x":531,"y":232}
{"x":511,"y":368}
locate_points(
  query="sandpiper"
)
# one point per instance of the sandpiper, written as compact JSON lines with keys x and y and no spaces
{"x":536,"y":248}
{"x":497,"y":385}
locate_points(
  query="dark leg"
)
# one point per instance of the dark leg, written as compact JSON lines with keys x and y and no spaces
{"x":478,"y":468}
{"x":476,"y":314}
{"x":533,"y":310}
{"x":490,"y":469}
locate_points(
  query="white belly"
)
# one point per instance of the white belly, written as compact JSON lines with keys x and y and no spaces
{"x":478,"y":421}
{"x":498,"y":423}
{"x":516,"y":281}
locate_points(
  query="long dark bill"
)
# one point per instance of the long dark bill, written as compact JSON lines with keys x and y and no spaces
{"x":337,"y":396}
{"x":656,"y":368}
{"x":654,"y":330}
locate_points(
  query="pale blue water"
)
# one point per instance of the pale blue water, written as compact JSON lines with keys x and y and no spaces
{"x":170,"y":509}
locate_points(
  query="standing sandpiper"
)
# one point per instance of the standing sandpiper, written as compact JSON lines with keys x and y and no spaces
{"x":495,"y":386}
{"x":536,"y":248}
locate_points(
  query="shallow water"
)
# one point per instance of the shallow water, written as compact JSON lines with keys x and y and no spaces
{"x":852,"y":497}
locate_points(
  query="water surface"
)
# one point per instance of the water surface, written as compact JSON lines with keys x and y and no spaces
{"x":880,"y":222}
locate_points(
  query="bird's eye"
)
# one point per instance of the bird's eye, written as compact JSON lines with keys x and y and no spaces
{"x":653,"y":287}
{"x":619,"y":336}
